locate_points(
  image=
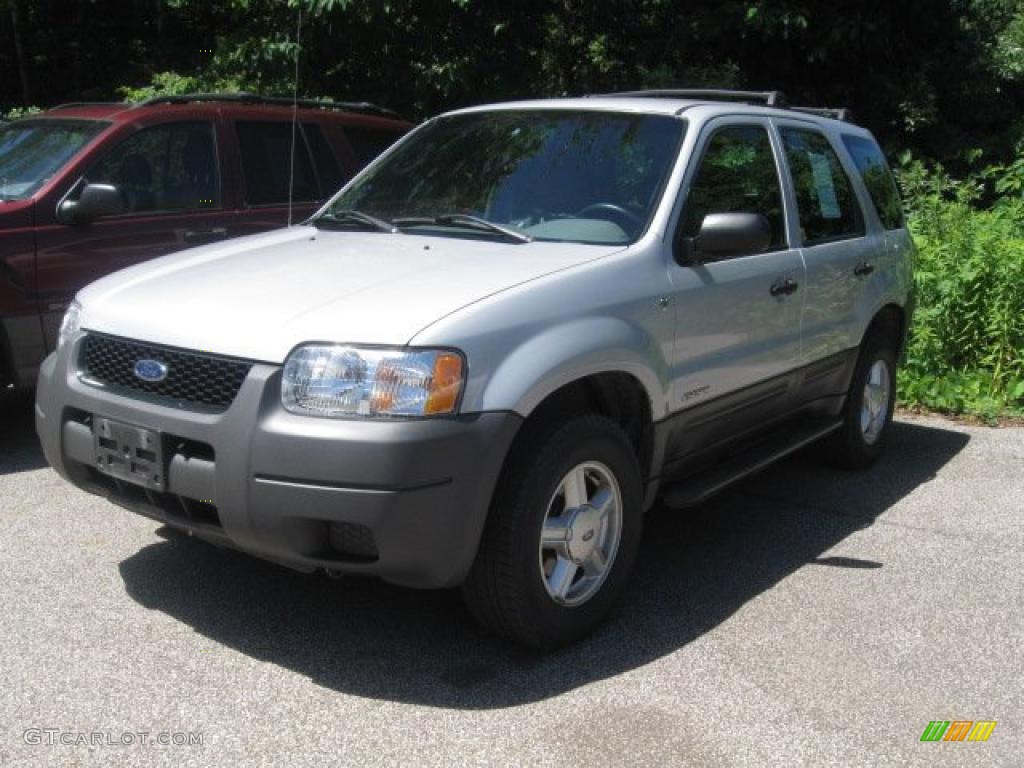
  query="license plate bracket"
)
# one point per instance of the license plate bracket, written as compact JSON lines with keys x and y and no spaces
{"x":130,"y":453}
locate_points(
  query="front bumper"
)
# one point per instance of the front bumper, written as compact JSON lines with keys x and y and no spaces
{"x":402,"y":500}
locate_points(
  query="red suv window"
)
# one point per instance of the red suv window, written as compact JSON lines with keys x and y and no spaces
{"x":367,"y":143}
{"x":327,"y":168}
{"x":169,"y":167}
{"x":266,"y":149}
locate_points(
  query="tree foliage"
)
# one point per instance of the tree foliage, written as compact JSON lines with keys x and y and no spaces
{"x":939,"y":76}
{"x":943,"y":79}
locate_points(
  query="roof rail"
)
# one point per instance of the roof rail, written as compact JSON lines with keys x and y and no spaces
{"x":843,"y":114}
{"x":282,"y":101}
{"x":768,"y":98}
{"x":76,"y":104}
{"x":774,"y":99}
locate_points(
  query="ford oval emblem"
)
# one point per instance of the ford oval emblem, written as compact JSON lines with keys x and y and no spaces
{"x":152,"y":371}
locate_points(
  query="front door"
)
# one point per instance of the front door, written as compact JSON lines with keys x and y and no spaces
{"x":169,"y":177}
{"x":737,"y":318}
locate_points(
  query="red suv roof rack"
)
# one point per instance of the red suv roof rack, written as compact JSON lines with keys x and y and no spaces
{"x":279,"y":101}
{"x":77,"y":104}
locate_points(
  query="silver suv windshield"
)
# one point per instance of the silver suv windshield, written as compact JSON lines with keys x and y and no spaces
{"x":580,"y":176}
{"x":32,"y":151}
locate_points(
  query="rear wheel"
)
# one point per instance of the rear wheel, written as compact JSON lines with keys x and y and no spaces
{"x":867,"y":414}
{"x":561,"y":537}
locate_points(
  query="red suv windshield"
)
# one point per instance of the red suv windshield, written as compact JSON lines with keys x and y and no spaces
{"x":32,"y":151}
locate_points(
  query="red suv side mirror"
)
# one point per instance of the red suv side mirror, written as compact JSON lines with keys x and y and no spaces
{"x":95,"y":201}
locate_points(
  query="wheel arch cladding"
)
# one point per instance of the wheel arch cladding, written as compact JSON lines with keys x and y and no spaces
{"x":616,"y":395}
{"x":560,"y":356}
{"x":8,"y":374}
{"x":889,"y":321}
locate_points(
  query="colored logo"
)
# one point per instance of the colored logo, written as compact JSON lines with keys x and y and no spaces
{"x":958,"y":730}
{"x":152,"y":371}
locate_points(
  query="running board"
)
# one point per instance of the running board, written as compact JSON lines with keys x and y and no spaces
{"x":701,"y":486}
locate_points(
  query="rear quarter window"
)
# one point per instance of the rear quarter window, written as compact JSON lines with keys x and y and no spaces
{"x":877,"y":177}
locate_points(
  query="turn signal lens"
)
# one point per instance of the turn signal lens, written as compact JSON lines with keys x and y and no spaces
{"x":445,"y":384}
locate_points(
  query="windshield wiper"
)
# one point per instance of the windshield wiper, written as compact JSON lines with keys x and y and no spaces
{"x":352,"y":216}
{"x":466,"y":221}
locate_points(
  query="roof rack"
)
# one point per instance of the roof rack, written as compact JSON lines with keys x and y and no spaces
{"x":76,"y":104}
{"x":282,"y":101}
{"x":768,"y":98}
{"x":842,"y":114}
{"x":775,"y":99}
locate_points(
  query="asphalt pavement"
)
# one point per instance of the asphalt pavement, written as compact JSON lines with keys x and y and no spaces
{"x":804,"y":617}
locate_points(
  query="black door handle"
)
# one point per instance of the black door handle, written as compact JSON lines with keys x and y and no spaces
{"x":205,"y":235}
{"x":784,"y":287}
{"x":863,"y":269}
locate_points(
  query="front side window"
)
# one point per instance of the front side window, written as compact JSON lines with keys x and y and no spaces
{"x":870,"y":162}
{"x":580,"y":176}
{"x":32,"y":151}
{"x":737,"y":174}
{"x":170,"y":167}
{"x":824,"y":196}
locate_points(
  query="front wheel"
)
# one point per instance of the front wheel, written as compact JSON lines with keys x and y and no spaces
{"x":561,"y":537}
{"x":867,"y":414}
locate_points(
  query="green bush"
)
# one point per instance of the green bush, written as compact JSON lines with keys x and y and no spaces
{"x":966,"y":354}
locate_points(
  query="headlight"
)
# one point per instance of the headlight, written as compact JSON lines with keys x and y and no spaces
{"x":70,"y":325}
{"x":335,"y":380}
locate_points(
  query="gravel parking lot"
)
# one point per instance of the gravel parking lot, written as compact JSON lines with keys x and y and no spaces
{"x":805,"y":617}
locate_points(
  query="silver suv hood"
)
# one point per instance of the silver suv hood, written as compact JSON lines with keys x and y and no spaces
{"x":258,"y":297}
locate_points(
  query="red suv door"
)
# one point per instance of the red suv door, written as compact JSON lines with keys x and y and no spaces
{"x":170,"y":177}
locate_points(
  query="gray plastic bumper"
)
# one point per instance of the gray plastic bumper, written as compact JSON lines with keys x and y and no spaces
{"x":402,"y":500}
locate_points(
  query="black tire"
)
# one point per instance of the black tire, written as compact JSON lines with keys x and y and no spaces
{"x":850,"y":447}
{"x":505,"y":589}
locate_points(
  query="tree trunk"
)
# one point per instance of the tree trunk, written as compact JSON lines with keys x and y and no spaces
{"x":19,"y":52}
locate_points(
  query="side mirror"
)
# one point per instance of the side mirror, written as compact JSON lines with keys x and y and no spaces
{"x":95,"y":201}
{"x":730,"y":234}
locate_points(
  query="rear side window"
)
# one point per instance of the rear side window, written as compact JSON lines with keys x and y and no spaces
{"x":266,"y":151}
{"x":877,"y":178}
{"x":824,"y":195}
{"x":367,"y":143}
{"x":326,"y":164}
{"x":169,"y":167}
{"x":737,"y":174}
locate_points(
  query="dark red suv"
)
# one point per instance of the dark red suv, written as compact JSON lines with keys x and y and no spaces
{"x":86,"y":189}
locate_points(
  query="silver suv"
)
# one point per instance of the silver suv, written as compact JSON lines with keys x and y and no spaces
{"x":500,"y":344}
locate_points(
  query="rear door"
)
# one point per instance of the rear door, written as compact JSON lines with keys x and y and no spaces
{"x":267,"y":179}
{"x":839,"y":248}
{"x":737,"y":335}
{"x":170,"y":178}
{"x":885,"y":200}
